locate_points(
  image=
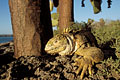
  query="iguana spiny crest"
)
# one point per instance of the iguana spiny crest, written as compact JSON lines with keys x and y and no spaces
{"x":81,"y":43}
{"x":65,"y":44}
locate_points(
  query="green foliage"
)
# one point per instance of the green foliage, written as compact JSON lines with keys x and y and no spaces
{"x":90,"y":21}
{"x":55,"y":32}
{"x":102,"y":22}
{"x":110,"y":68}
{"x":55,"y":17}
{"x":78,"y":26}
{"x":54,"y":22}
{"x":74,"y":27}
{"x":109,"y":33}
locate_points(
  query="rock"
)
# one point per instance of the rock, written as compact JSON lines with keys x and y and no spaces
{"x":46,"y":67}
{"x":11,"y":44}
{"x":4,"y":44}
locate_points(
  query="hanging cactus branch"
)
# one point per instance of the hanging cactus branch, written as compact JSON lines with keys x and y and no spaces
{"x":83,"y":5}
{"x":56,"y":3}
{"x":51,"y":5}
{"x":109,"y":3}
{"x":96,"y":5}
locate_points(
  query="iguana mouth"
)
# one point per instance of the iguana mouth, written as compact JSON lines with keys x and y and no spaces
{"x":54,"y":49}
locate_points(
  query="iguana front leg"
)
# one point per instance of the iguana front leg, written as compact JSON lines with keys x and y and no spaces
{"x":90,"y":55}
{"x":84,"y":64}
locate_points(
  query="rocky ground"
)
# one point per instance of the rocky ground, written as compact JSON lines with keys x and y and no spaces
{"x":49,"y":67}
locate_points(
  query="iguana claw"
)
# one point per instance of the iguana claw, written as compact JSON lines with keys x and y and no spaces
{"x":82,"y":43}
{"x":84,"y":64}
{"x":90,"y":55}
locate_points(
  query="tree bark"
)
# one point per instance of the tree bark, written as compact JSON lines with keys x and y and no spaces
{"x":66,"y":15}
{"x":31,"y":23}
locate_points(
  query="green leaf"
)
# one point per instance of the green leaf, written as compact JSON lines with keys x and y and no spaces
{"x":54,"y":22}
{"x":55,"y":16}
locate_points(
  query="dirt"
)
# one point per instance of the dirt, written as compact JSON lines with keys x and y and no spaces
{"x":48,"y":67}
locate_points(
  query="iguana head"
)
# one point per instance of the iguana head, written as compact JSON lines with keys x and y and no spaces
{"x":58,"y":44}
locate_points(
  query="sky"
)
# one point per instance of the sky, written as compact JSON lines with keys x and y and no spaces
{"x":80,"y":13}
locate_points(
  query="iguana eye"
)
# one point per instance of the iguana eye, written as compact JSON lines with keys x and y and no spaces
{"x":55,"y":41}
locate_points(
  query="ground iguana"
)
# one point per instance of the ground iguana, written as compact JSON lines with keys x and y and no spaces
{"x":81,"y":43}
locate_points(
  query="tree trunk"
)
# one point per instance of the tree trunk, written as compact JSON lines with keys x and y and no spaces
{"x":66,"y":15}
{"x":31,"y":23}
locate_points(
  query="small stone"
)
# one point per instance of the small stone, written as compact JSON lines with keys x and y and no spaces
{"x":11,"y":44}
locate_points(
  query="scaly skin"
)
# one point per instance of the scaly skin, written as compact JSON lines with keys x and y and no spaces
{"x":90,"y":55}
{"x":58,"y":44}
{"x":81,"y":43}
